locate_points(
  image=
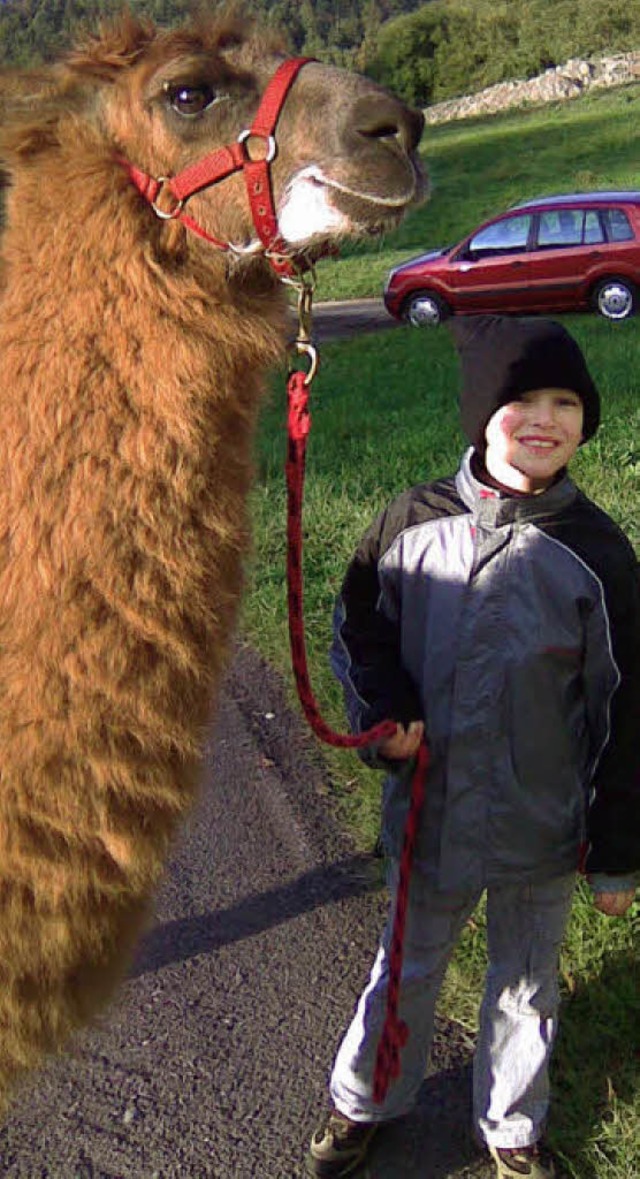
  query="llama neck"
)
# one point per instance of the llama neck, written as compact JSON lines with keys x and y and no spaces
{"x":86,"y":271}
{"x":126,"y":438}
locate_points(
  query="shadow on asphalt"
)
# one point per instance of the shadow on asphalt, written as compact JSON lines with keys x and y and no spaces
{"x":434,"y":1141}
{"x":177,"y":941}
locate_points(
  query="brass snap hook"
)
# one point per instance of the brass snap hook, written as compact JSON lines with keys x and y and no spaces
{"x":304,"y":348}
{"x":304,"y":282}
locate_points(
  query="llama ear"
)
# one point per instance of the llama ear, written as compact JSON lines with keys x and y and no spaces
{"x":22,"y":140}
{"x":116,"y":45}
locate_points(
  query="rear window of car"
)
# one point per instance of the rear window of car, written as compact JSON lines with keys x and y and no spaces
{"x":569,"y":227}
{"x":617,"y":225}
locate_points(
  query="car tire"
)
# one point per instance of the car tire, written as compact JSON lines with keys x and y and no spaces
{"x":615,"y":298}
{"x":425,"y":309}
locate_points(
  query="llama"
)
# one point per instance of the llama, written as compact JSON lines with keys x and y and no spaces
{"x":132,"y":360}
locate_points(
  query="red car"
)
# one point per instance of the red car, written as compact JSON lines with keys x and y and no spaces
{"x":559,"y":253}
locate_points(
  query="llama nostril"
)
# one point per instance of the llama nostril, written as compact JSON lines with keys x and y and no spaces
{"x":385,"y":117}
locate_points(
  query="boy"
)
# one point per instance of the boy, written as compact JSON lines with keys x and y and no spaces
{"x":498,"y":612}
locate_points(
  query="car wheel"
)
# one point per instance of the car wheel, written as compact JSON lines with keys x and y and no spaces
{"x":425,"y":309}
{"x":615,"y":298}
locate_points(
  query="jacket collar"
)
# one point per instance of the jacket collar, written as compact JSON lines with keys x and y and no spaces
{"x":497,"y":508}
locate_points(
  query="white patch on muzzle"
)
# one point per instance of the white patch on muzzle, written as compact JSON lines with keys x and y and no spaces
{"x":306,"y":210}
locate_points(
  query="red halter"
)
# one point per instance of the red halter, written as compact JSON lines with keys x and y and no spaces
{"x":224,"y":162}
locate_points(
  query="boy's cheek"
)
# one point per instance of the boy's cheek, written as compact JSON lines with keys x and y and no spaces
{"x":505,"y":422}
{"x":509,"y":420}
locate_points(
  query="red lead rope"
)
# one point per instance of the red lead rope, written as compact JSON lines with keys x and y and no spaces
{"x":395,"y":1032}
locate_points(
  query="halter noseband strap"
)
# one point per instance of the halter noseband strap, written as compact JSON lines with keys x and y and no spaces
{"x":224,"y":162}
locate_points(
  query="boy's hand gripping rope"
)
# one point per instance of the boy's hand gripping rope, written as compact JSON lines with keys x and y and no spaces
{"x":395,"y":1032}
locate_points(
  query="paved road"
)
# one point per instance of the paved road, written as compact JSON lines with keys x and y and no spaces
{"x":332,"y":320}
{"x":213,"y":1062}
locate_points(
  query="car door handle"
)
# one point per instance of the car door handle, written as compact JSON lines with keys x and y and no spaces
{"x":596,"y":254}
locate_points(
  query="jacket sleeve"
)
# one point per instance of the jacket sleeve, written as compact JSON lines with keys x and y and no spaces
{"x":366,"y":651}
{"x":613,"y":822}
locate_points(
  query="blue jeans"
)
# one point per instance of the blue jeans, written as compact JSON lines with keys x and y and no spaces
{"x":518,"y":1016}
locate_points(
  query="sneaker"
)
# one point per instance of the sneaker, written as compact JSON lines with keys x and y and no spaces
{"x":531,"y":1162}
{"x":339,"y":1146}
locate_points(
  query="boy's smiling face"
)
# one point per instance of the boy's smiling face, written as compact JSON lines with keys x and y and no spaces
{"x":530,"y":440}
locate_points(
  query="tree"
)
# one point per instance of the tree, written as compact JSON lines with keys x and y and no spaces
{"x":405,"y":60}
{"x":371,"y":27}
{"x":312,"y":44}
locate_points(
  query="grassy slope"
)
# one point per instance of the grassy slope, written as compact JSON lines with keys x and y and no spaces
{"x":384,"y":416}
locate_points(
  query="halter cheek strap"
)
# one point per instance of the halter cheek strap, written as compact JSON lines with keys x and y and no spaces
{"x":225,"y":161}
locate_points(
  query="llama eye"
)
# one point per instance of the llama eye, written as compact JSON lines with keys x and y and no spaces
{"x":190,"y":100}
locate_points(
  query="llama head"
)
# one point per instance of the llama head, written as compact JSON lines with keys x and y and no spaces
{"x":346,"y":161}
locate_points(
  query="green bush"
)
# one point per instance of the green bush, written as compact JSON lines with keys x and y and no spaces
{"x":454,"y":47}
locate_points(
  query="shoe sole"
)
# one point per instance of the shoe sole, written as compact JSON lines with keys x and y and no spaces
{"x":317,"y":1169}
{"x":500,"y":1173}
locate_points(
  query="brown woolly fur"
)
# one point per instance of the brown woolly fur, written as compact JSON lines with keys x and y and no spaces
{"x":132,"y":356}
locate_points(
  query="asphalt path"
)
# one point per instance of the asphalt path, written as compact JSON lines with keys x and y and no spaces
{"x":332,"y":320}
{"x":213,"y":1060}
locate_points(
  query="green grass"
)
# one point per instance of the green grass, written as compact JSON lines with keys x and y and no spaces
{"x":384,"y":416}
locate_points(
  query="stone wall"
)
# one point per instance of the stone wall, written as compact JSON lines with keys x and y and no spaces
{"x":567,"y":81}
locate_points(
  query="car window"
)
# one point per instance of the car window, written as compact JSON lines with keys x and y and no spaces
{"x":618,"y":226}
{"x":569,"y":227}
{"x":503,"y":237}
{"x":593,"y":231}
{"x":560,"y":227}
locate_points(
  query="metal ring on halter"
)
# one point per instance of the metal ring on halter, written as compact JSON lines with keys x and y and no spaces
{"x":271,"y":145}
{"x":162,"y":213}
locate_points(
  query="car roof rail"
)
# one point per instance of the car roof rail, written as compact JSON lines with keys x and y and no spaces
{"x":568,"y":198}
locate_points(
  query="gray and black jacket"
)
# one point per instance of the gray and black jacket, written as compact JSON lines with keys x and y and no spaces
{"x":511,"y":626}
